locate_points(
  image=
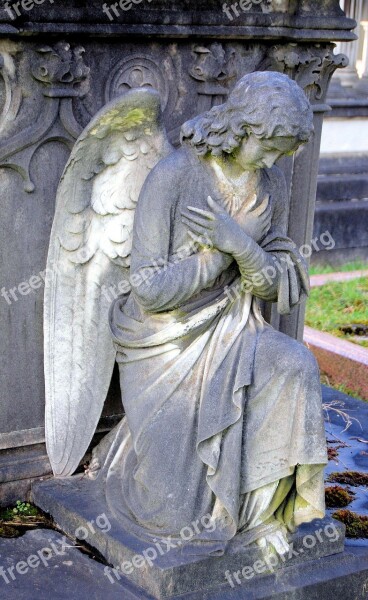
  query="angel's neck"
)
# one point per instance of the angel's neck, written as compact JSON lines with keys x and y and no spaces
{"x":235,"y":177}
{"x":229,"y":167}
{"x":235,"y":191}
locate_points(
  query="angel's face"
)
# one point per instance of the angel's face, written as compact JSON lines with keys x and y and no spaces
{"x":255,"y":153}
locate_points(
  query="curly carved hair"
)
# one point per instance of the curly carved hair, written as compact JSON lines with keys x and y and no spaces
{"x":266,"y":104}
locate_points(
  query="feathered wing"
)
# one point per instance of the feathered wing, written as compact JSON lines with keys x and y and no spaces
{"x":88,"y":264}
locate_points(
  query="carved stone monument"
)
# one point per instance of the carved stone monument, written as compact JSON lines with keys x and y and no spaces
{"x":60,"y":66}
{"x":224,"y":425}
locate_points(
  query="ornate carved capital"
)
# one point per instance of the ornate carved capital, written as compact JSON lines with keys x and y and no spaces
{"x":310,"y":66}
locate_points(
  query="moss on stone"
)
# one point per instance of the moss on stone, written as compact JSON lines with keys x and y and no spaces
{"x":353,"y":478}
{"x":338,"y":497}
{"x":356,"y":525}
{"x":9,"y":532}
{"x":14,"y":520}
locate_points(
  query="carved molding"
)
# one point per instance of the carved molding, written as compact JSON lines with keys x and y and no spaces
{"x":215,"y":67}
{"x":141,"y":71}
{"x":63,"y":75}
{"x":308,"y":20}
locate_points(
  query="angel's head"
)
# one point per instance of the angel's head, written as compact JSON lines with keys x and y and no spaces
{"x":266,"y":116}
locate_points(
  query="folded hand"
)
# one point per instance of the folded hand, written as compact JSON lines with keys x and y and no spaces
{"x":217,"y":227}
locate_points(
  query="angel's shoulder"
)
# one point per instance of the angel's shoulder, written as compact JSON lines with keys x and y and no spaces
{"x":173,"y":166}
{"x":276,"y":187}
{"x":277,"y":180}
{"x":166,"y":178}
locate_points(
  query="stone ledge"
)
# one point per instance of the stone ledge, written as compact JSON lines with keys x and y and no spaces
{"x":73,"y":575}
{"x":220,"y":32}
{"x":73,"y":503}
{"x":181,"y":19}
{"x":63,"y":575}
{"x":346,"y":363}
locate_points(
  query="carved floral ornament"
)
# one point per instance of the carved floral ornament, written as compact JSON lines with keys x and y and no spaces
{"x":61,"y":71}
{"x":135,"y":72}
{"x":64,"y":75}
{"x":138,"y":71}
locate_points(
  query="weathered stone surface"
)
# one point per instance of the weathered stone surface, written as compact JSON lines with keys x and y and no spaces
{"x":76,"y":576}
{"x":44,"y":564}
{"x":347,"y":224}
{"x":341,"y":576}
{"x":342,"y":207}
{"x":307,"y":20}
{"x":175,"y":572}
{"x":61,"y":109}
{"x":335,"y":188}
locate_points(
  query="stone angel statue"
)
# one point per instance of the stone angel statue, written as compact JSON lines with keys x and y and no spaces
{"x":223,"y":413}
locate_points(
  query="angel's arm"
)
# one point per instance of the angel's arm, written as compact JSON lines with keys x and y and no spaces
{"x":273,"y":270}
{"x":277,"y":269}
{"x":256,"y":263}
{"x":157,"y":283}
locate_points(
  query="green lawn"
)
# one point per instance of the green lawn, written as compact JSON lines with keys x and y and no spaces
{"x":338,"y":304}
{"x":358,"y":265}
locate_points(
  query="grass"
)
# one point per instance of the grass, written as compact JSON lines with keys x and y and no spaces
{"x":357,"y":265}
{"x":338,"y":304}
{"x":14,"y":520}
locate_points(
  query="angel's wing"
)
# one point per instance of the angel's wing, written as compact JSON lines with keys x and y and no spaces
{"x":88,"y":264}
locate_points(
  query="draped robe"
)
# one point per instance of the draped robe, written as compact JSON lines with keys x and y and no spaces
{"x":223,"y":413}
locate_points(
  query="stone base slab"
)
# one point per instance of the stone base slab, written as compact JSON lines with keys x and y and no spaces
{"x":82,"y":514}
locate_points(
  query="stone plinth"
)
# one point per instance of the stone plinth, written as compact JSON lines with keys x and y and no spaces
{"x":176,"y":571}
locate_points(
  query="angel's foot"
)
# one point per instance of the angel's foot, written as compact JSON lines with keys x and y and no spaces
{"x":275,"y":542}
{"x":93,"y":469}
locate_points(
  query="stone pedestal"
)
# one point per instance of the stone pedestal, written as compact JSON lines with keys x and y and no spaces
{"x":168,"y":570}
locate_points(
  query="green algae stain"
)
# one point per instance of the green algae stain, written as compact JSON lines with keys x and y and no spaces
{"x":115,"y":121}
